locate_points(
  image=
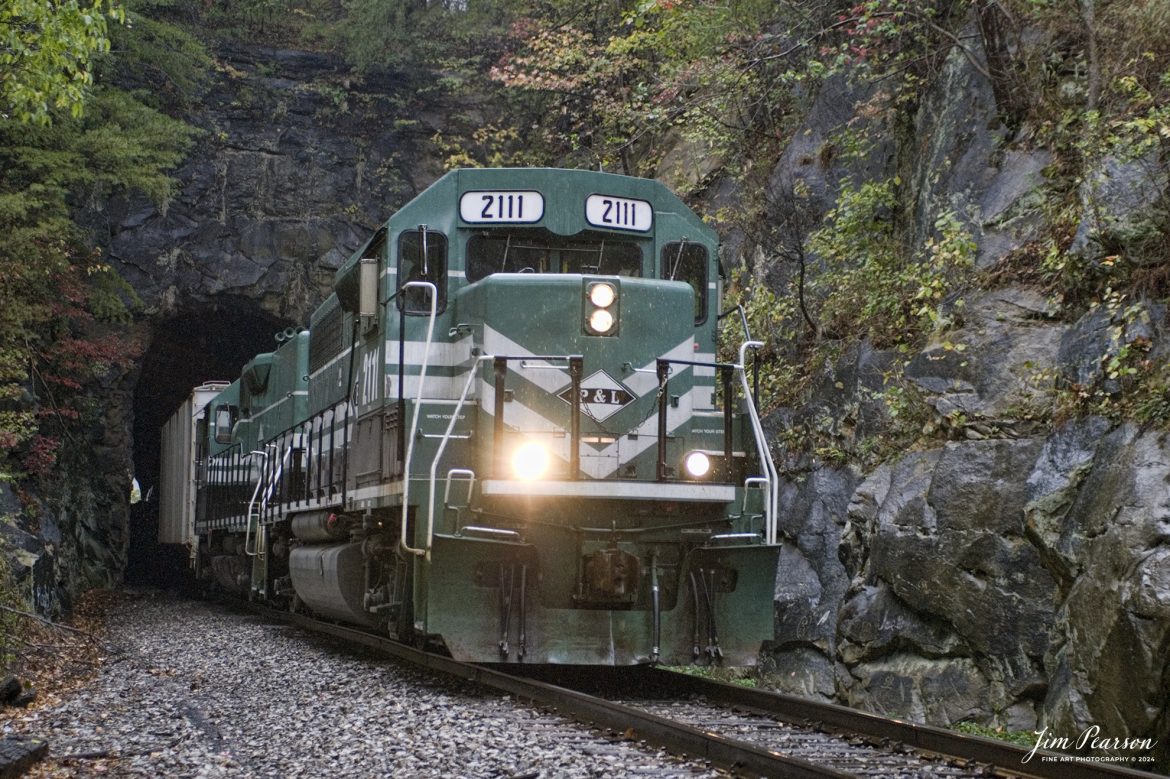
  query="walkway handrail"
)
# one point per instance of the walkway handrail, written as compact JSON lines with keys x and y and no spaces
{"x":762,"y":450}
{"x":252,"y":504}
{"x":471,"y":377}
{"x":422,"y":377}
{"x":277,"y":474}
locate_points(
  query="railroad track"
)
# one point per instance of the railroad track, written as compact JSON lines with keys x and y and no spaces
{"x":748,"y":731}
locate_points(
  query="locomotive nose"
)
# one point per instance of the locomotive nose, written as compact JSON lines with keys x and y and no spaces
{"x":625,"y":319}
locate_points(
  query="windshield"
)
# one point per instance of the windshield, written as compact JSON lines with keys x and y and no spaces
{"x":537,"y":253}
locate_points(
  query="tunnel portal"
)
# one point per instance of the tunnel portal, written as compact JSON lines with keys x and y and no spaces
{"x":198,"y":345}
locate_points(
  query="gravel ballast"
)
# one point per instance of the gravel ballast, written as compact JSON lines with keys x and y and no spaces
{"x":195,"y":690}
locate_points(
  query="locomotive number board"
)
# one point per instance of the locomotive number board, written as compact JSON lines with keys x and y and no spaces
{"x":502,"y":207}
{"x":527,"y":207}
{"x":620,"y":213}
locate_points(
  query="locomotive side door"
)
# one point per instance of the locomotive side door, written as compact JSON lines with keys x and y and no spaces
{"x":370,"y":454}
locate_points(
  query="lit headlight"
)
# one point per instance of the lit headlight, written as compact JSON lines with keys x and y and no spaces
{"x":697,"y":464}
{"x":600,"y":303}
{"x":601,"y":321}
{"x":602,"y":295}
{"x":530,"y":461}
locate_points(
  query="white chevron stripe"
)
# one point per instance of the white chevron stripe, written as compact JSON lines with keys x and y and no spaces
{"x":646,"y":380}
{"x":550,"y":377}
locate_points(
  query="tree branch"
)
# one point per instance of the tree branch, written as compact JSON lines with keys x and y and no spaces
{"x":44,"y":621}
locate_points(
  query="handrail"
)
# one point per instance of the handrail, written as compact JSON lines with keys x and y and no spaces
{"x":315,"y":437}
{"x":747,"y":486}
{"x":426,"y":549}
{"x":308,"y":429}
{"x":422,"y":377}
{"x":252,"y":504}
{"x":773,"y":503}
{"x":576,"y":371}
{"x":277,"y":475}
{"x":223,"y":473}
{"x":662,"y":370}
{"x":469,"y":478}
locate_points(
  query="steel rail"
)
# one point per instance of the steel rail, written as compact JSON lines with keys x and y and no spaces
{"x":682,"y":739}
{"x":832,"y":717}
{"x":739,"y":756}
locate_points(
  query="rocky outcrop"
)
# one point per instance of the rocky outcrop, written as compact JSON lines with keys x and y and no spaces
{"x":1021,"y":582}
{"x":1100,"y":517}
{"x":299,"y":161}
{"x":938,"y":539}
{"x":1000,"y":361}
{"x":71,"y":534}
{"x":1119,"y":207}
{"x":810,"y":592}
{"x":1017,"y":574}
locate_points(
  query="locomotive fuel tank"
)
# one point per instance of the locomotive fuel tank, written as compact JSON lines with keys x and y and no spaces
{"x":330,"y":580}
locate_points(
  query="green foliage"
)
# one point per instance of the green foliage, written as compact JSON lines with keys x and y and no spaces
{"x":864,"y":285}
{"x":46,"y":55}
{"x":60,"y":325}
{"x":270,"y":21}
{"x":771,"y":319}
{"x":870,"y":285}
{"x":859,"y":277}
{"x":1096,"y":103}
{"x":1018,"y":737}
{"x":623,"y":81}
{"x":54,"y":329}
{"x":576,"y":83}
{"x":380,"y":34}
{"x":1126,"y":266}
{"x":1128,"y":383}
{"x":167,"y":63}
{"x":739,"y":676}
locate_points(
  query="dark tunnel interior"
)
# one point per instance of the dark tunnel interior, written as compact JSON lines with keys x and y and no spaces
{"x":199,"y":345}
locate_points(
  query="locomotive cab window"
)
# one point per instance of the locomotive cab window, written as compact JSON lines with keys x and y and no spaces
{"x":530,"y":252}
{"x":686,"y":261}
{"x":414,"y":265}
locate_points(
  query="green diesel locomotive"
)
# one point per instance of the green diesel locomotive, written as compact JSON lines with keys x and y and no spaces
{"x":505,"y":432}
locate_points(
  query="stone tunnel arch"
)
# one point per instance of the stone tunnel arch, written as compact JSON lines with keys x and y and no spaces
{"x":197,"y":344}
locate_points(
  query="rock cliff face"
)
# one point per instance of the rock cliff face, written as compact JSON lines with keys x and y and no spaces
{"x":1020,"y":575}
{"x":297,"y":163}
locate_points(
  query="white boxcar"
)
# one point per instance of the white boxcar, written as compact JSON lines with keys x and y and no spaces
{"x":176,"y":498}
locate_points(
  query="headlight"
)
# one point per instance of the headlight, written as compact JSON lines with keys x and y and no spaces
{"x":601,"y":321}
{"x":698,"y":465}
{"x":602,"y":295}
{"x":600,"y":301}
{"x":530,"y":461}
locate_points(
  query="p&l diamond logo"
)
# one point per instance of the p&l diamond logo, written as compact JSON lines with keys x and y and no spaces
{"x":602,"y":396}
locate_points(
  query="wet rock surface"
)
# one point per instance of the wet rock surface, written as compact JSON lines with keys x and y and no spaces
{"x":193,"y":690}
{"x":1021,"y":582}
